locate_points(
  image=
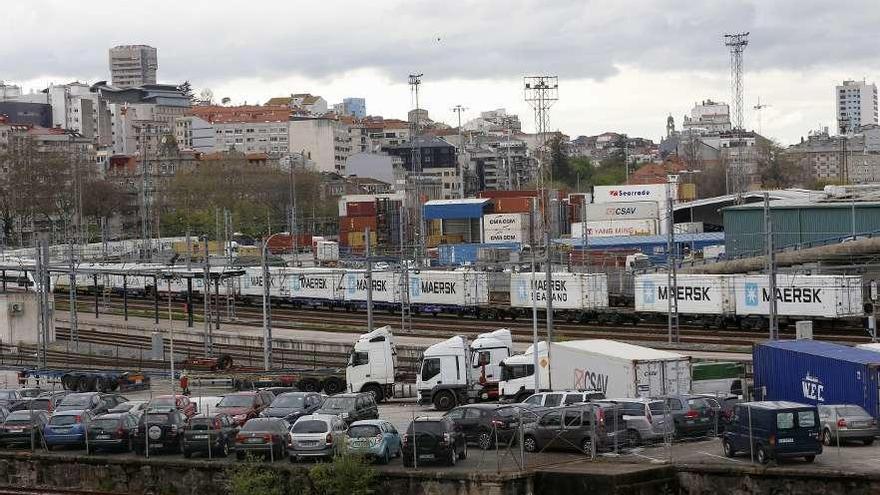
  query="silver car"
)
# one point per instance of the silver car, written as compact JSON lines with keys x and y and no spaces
{"x":846,"y":422}
{"x":562,"y":398}
{"x":317,"y":436}
{"x":646,"y":420}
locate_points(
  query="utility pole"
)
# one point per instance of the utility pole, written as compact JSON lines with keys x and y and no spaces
{"x":672,"y":267}
{"x":460,"y":152}
{"x":415,"y":80}
{"x":771,"y":268}
{"x":626,"y":156}
{"x":737,"y":43}
{"x":534,"y":292}
{"x":549,"y":294}
{"x":206,"y":290}
{"x":369,"y":279}
{"x":293,"y":226}
{"x":74,"y":322}
{"x":405,"y":316}
{"x":267,"y":309}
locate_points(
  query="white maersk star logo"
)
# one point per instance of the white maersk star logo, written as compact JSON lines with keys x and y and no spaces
{"x":751,"y":294}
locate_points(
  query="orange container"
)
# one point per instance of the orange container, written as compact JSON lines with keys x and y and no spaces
{"x":513,"y":205}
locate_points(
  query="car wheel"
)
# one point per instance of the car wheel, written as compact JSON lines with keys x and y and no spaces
{"x":239,"y":456}
{"x":530,"y":444}
{"x":727,"y":447}
{"x":868,"y":441}
{"x":463,"y":455}
{"x":225,"y":451}
{"x":187,"y":454}
{"x":453,"y":456}
{"x":484,"y":440}
{"x":407,"y":462}
{"x":386,"y":458}
{"x":444,"y":400}
{"x":130,"y":446}
{"x":826,"y":437}
{"x":633,"y":438}
{"x":90,"y":450}
{"x":810,"y":458}
{"x":587,"y":445}
{"x":762,"y":456}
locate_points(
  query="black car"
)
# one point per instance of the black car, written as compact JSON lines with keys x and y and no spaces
{"x":483,"y":424}
{"x":433,"y":440}
{"x":112,"y":431}
{"x":575,"y":427}
{"x":291,"y":405}
{"x":693,"y":415}
{"x":773,"y":430}
{"x":96,"y":403}
{"x":23,"y":427}
{"x":350,"y":407}
{"x":160,"y":430}
{"x":264,"y":436}
{"x":47,"y":401}
{"x":209,"y":434}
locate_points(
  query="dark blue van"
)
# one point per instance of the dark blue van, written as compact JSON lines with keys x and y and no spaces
{"x":773,"y":430}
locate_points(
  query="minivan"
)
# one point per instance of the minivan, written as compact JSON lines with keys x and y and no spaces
{"x":773,"y":430}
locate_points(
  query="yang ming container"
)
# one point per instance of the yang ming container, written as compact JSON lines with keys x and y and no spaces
{"x":812,"y":372}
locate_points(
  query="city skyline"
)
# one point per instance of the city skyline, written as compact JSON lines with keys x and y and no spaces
{"x":618,"y":70}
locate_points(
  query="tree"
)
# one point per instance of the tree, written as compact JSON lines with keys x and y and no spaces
{"x":187,"y":90}
{"x":777,"y":169}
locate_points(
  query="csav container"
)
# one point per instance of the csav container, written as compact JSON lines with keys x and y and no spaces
{"x":813,"y":372}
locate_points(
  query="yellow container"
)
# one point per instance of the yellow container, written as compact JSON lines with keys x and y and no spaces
{"x":356,"y":239}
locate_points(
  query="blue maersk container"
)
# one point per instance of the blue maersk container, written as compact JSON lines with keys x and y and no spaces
{"x":812,"y":372}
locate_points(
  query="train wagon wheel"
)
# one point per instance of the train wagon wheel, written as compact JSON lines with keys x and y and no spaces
{"x":69,"y":382}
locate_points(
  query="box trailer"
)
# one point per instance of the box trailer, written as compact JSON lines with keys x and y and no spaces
{"x":617,"y":369}
{"x":579,"y":291}
{"x":696,"y":294}
{"x":448,"y":288}
{"x":813,"y":372}
{"x":823,"y":296}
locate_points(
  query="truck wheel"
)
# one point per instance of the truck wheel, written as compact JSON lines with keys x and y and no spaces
{"x":68,"y":382}
{"x":309,"y":385}
{"x":530,"y":444}
{"x":334,"y":385}
{"x":375,"y":391}
{"x":444,"y":400}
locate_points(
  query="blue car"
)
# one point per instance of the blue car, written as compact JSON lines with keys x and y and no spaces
{"x":374,"y":438}
{"x":67,"y":428}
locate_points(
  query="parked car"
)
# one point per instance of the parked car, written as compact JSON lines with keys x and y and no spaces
{"x":66,"y":428}
{"x":135,"y":407}
{"x":576,"y":427}
{"x":726,"y":403}
{"x":317,"y":436}
{"x":351,"y":407}
{"x":95,"y":402}
{"x":263,"y":436}
{"x":373,"y":438}
{"x":292,"y":405}
{"x":46,"y":402}
{"x":692,"y":415}
{"x":209,"y":434}
{"x":160,"y":430}
{"x":31,"y":392}
{"x":431,"y":439}
{"x":9,"y":398}
{"x":773,"y":430}
{"x":482,"y":424}
{"x":23,"y":427}
{"x":206,"y":404}
{"x":562,"y":398}
{"x":242,"y":406}
{"x":112,"y":431}
{"x":842,"y":422}
{"x":646,"y":419}
{"x":279,"y":390}
{"x":4,"y":412}
{"x":179,"y":402}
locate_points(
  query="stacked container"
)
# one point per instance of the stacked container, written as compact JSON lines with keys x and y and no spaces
{"x":506,"y":227}
{"x":358,"y":216}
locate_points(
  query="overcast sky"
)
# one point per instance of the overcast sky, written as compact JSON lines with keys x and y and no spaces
{"x":622,"y":65}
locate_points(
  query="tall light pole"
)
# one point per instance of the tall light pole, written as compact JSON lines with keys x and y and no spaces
{"x":461,"y":189}
{"x":267,"y":309}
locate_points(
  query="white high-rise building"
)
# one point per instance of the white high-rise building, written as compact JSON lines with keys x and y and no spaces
{"x":133,"y":65}
{"x":856,"y":106}
{"x":708,"y":117}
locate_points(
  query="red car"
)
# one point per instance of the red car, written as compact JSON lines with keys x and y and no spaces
{"x":179,"y":402}
{"x":242,"y":406}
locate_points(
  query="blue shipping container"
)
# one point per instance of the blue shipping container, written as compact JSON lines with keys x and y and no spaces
{"x":457,"y":254}
{"x":812,"y":372}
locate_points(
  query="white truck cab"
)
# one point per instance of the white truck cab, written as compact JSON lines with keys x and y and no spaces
{"x":372,"y":364}
{"x":488,"y":351}
{"x":517,"y":381}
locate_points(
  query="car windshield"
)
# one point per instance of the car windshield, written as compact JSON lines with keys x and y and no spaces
{"x":63,"y":420}
{"x":21,"y":416}
{"x":432,"y":427}
{"x":291,"y":401}
{"x":338,"y":403}
{"x":104,"y":423}
{"x":259,"y":425}
{"x":850,"y":411}
{"x":77,"y":400}
{"x":237,"y":401}
{"x":311,"y":426}
{"x":363,"y":431}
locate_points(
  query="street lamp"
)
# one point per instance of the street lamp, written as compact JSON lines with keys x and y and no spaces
{"x":267,"y":311}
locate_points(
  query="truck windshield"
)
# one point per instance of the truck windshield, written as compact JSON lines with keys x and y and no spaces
{"x":430,"y":368}
{"x":358,"y":358}
{"x":514,"y":371}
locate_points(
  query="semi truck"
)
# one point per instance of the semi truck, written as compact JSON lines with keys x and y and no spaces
{"x":372,"y":364}
{"x":453,"y":372}
{"x":613,"y":368}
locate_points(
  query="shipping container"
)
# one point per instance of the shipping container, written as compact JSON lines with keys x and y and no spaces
{"x":622,"y":211}
{"x":467,"y":228}
{"x":615,"y":228}
{"x":357,"y":239}
{"x":458,"y":254}
{"x":688,"y":228}
{"x":508,"y":194}
{"x":578,"y":291}
{"x":283,"y":243}
{"x":251,"y":283}
{"x":360,"y":209}
{"x":386,"y":286}
{"x":356,"y":224}
{"x":448,"y":209}
{"x":323,"y":284}
{"x":636,"y":192}
{"x":814,"y":372}
{"x":697,"y":294}
{"x":327,"y":251}
{"x":506,"y":227}
{"x":514,"y":205}
{"x":448,"y":288}
{"x":824,"y":296}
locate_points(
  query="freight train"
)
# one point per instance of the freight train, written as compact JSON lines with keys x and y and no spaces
{"x":713,"y":301}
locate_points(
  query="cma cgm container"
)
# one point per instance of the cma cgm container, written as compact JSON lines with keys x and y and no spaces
{"x":824,"y":296}
{"x":386,"y":286}
{"x":448,"y":288}
{"x":581,"y":291}
{"x":814,"y":372}
{"x":697,"y":294}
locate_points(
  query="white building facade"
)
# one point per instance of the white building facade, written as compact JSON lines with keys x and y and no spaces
{"x":856,"y":105}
